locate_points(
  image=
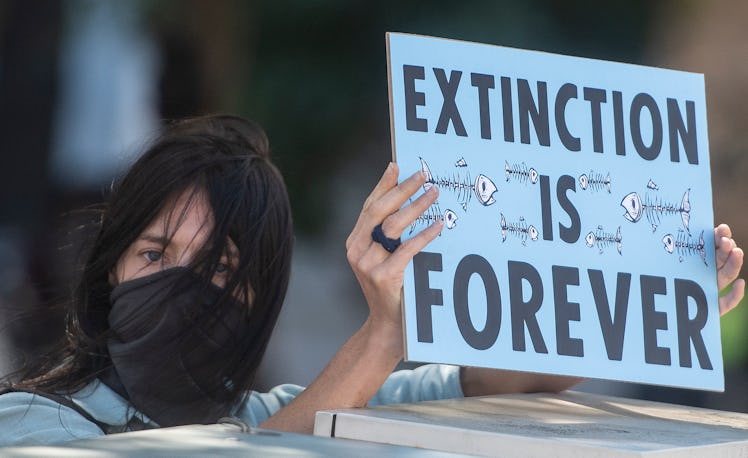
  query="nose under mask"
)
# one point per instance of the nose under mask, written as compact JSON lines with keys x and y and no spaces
{"x":171,"y":335}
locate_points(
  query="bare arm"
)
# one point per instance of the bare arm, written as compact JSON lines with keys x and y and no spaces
{"x":350,"y":379}
{"x":363,"y":363}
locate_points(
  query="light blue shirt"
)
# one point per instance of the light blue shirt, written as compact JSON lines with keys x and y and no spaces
{"x":28,"y":419}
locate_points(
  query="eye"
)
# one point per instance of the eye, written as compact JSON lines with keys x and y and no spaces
{"x":153,"y":255}
{"x":222,"y":268}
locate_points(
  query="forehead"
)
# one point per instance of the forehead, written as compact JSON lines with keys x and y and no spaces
{"x":185,"y":223}
{"x":184,"y":220}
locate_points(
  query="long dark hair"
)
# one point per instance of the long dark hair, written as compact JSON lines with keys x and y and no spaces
{"x":226,"y":158}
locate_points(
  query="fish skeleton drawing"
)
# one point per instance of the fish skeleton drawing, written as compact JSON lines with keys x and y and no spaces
{"x":521,"y":173}
{"x":655,"y":209}
{"x":594,"y":181}
{"x":483,"y":188}
{"x":603,"y":239}
{"x":433,"y":214}
{"x":520,"y":229}
{"x":685,"y":245}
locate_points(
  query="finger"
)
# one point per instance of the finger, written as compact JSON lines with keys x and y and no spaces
{"x":387,"y":182}
{"x":723,"y":250}
{"x":375,"y":211}
{"x":402,"y":256}
{"x":724,"y":247}
{"x":394,"y":198}
{"x":723,"y":230}
{"x":394,"y":225}
{"x":731,"y":300}
{"x":378,"y":210}
{"x":376,"y":257}
{"x":731,"y":269}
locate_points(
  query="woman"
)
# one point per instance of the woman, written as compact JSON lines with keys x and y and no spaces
{"x":184,"y":283}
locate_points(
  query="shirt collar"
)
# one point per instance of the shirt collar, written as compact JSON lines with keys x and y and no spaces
{"x":106,"y":406}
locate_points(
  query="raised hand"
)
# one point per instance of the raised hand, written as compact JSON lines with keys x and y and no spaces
{"x":379,"y":272}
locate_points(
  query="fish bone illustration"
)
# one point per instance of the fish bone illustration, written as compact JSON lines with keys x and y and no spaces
{"x":432,"y":214}
{"x":685,"y":245}
{"x":521,"y":173}
{"x":602,"y":239}
{"x":483,"y":188}
{"x":655,"y":209}
{"x":520,"y":229}
{"x":594,"y":181}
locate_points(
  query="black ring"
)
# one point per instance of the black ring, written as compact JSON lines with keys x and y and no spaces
{"x":387,"y":243}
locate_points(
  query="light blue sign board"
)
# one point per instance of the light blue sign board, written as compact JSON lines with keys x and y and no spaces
{"x":576,"y":197}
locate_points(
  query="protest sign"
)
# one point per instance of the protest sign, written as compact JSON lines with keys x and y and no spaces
{"x":576,"y":201}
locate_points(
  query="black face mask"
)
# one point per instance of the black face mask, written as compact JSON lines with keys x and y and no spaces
{"x":172,"y":338}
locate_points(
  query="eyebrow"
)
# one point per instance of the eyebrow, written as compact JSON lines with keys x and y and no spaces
{"x":160,"y":239}
{"x":164,"y":241}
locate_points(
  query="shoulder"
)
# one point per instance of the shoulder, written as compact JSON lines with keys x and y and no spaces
{"x":31,"y":419}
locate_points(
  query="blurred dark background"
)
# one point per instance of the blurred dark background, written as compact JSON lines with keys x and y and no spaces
{"x":85,"y":83}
